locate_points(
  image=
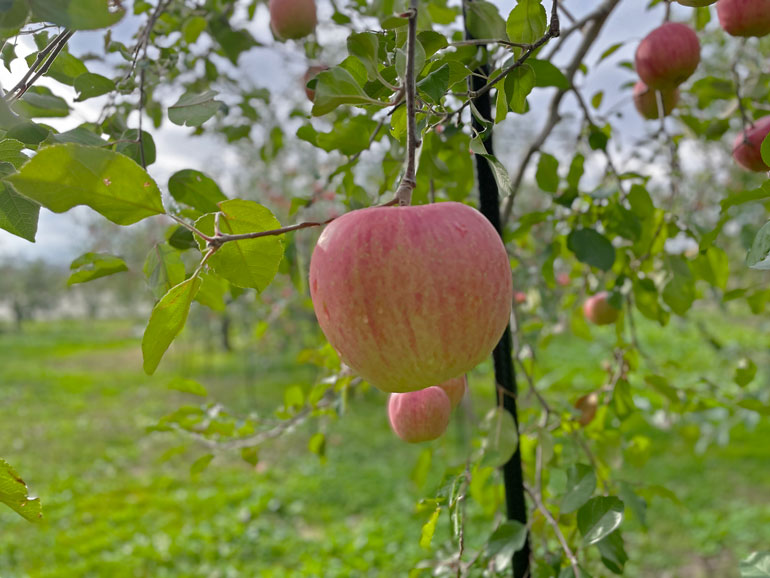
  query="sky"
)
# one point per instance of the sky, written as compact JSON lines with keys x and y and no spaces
{"x":61,"y":238}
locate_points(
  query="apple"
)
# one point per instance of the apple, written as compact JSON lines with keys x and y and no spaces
{"x":310,"y":74}
{"x":520,"y":297}
{"x":292,"y":19}
{"x":419,"y":416}
{"x":587,"y":405}
{"x":455,"y":388}
{"x":668,"y":56}
{"x":747,"y":146}
{"x":563,"y":279}
{"x":646,"y":100}
{"x":744,"y":17}
{"x":411,"y":296}
{"x":598,"y":310}
{"x":696,"y":3}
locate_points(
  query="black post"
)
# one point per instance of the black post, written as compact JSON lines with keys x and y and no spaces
{"x":505,"y":375}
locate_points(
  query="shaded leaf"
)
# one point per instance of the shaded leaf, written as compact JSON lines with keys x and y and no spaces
{"x":757,"y":565}
{"x":196,"y":190}
{"x":599,"y":517}
{"x":507,"y":539}
{"x":194,"y":109}
{"x":77,"y":14}
{"x":581,"y":483}
{"x":18,"y":215}
{"x":163,"y":268}
{"x":592,"y":248}
{"x":92,"y":266}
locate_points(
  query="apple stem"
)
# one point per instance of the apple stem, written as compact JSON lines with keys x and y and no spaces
{"x":409,"y":180}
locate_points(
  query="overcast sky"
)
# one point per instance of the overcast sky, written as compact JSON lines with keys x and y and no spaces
{"x":281,"y":66}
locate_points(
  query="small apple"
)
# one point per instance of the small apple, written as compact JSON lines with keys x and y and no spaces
{"x":598,"y":310}
{"x":419,"y":416}
{"x":292,"y":19}
{"x":411,"y":296}
{"x":587,"y":405}
{"x":744,"y":17}
{"x":310,"y":74}
{"x":646,"y":100}
{"x":455,"y":388}
{"x":668,"y":56}
{"x":747,"y":146}
{"x":520,"y":297}
{"x":563,"y":279}
{"x":696,"y":3}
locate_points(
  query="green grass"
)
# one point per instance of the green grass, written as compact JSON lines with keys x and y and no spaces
{"x":119,"y":501}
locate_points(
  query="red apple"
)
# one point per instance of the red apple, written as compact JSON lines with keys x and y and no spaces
{"x":668,"y":56}
{"x":646,"y":100}
{"x":747,"y":145}
{"x":696,"y":3}
{"x":563,"y":279}
{"x":419,"y":416}
{"x":520,"y":297}
{"x":455,"y":388}
{"x":292,"y":19}
{"x":411,"y":296}
{"x":311,"y":73}
{"x":744,"y":17}
{"x":598,"y":310}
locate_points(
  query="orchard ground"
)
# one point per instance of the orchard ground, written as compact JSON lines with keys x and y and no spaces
{"x":120,"y":501}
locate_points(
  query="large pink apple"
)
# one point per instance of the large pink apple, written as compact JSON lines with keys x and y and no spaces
{"x":455,"y":388}
{"x":597,"y":309}
{"x":744,"y":17}
{"x":411,"y":296}
{"x":419,"y":416}
{"x":292,"y":19}
{"x":668,"y":56}
{"x":747,"y":146}
{"x":646,"y":100}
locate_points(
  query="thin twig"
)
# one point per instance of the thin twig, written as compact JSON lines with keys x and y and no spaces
{"x":40,"y":66}
{"x":555,"y":525}
{"x":409,"y":180}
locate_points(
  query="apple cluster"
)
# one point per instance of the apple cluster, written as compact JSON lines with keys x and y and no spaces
{"x":669,"y":55}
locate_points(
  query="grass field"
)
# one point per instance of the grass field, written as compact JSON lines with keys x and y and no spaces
{"x":120,"y":501}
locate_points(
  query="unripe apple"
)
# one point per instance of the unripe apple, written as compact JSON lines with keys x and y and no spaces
{"x":411,"y":296}
{"x":668,"y":56}
{"x":696,"y":3}
{"x":646,"y":100}
{"x":598,"y":310}
{"x":310,"y":74}
{"x":292,"y":19}
{"x":747,"y":146}
{"x":455,"y":388}
{"x":744,"y":17}
{"x":587,"y":405}
{"x":419,"y":416}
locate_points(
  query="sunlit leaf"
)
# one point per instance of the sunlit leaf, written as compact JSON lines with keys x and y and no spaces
{"x":92,"y":266}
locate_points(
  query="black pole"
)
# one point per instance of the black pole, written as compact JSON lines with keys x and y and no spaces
{"x":505,"y":375}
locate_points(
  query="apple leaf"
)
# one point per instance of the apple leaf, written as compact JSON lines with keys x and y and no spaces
{"x":527,"y":22}
{"x":196,"y":190}
{"x":599,"y":517}
{"x":592,"y":248}
{"x":507,"y":539}
{"x":63,"y":176}
{"x":18,"y":215}
{"x":13,"y":493}
{"x":92,"y":266}
{"x":757,"y":565}
{"x":76,"y":14}
{"x":194,"y":109}
{"x":757,"y":257}
{"x":581,"y":483}
{"x":765,"y":150}
{"x":168,"y":318}
{"x":336,"y":87}
{"x":163,"y":268}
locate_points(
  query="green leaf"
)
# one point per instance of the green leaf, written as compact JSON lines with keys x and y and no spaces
{"x":435,"y":84}
{"x":196,"y":190}
{"x":484,"y":21}
{"x":745,"y":372}
{"x":336,"y":87}
{"x":502,"y":438}
{"x":250,"y":263}
{"x":233,"y":41}
{"x":131,"y":149}
{"x":518,"y":85}
{"x":527,"y":22}
{"x":13,"y":493}
{"x":508,"y":538}
{"x":613,"y":552}
{"x":759,"y":194}
{"x":421,"y":469}
{"x":212,"y":292}
{"x":18,"y":215}
{"x":592,"y":248}
{"x":610,"y":51}
{"x":77,"y":14}
{"x":755,"y":405}
{"x":428,"y":529}
{"x":192,"y":28}
{"x":194,"y":109}
{"x":765,"y":150}
{"x":757,"y":257}
{"x":663,"y":387}
{"x":599,"y":517}
{"x":712,"y":266}
{"x":12,"y":16}
{"x":10,"y":152}
{"x":164,"y":269}
{"x":60,"y":177}
{"x":201,"y":464}
{"x":90,"y":85}
{"x":641,"y":202}
{"x":581,"y":483}
{"x":186,"y":385}
{"x":78,"y":135}
{"x":757,"y":565}
{"x":40,"y":102}
{"x":92,"y":266}
{"x":503,"y":180}
{"x":547,"y":74}
{"x":547,"y":175}
{"x":181,"y":238}
{"x":167,"y":320}
{"x":636,"y":503}
{"x":679,"y":292}
{"x":365,"y":46}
